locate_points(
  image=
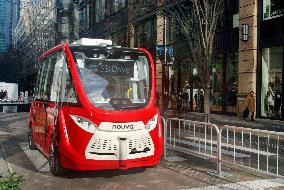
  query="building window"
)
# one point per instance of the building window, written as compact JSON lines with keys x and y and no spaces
{"x":174,"y":29}
{"x":271,"y":87}
{"x":118,"y":4}
{"x":100,"y":10}
{"x":146,"y":34}
{"x":272,"y":8}
{"x":84,"y":17}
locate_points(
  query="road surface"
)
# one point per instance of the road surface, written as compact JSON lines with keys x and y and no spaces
{"x":176,"y":172}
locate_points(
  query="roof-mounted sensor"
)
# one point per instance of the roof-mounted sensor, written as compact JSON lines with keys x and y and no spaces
{"x":92,"y":42}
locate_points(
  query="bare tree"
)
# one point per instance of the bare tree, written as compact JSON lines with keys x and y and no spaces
{"x":198,"y":20}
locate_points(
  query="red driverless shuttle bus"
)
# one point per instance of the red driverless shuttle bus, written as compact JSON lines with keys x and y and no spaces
{"x":94,"y":108}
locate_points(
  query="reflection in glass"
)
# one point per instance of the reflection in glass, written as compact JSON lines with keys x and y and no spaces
{"x":271,"y":88}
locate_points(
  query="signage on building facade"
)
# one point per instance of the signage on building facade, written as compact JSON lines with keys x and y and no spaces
{"x":244,"y":32}
{"x":160,"y":52}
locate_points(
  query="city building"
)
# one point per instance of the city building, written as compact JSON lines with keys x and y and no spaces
{"x":104,"y":19}
{"x":248,"y":49}
{"x":42,"y":25}
{"x":131,"y":23}
{"x":20,"y":9}
{"x":6,"y":19}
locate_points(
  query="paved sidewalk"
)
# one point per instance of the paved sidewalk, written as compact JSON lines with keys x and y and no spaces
{"x":178,"y":171}
{"x":218,"y":119}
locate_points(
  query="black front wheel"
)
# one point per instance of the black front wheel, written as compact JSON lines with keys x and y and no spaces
{"x":54,"y":161}
{"x":32,"y":145}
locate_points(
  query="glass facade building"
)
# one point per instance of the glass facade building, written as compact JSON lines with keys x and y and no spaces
{"x":42,"y":25}
{"x":6,"y":17}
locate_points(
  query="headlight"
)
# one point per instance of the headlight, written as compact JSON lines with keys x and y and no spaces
{"x":152,"y":123}
{"x":84,"y":123}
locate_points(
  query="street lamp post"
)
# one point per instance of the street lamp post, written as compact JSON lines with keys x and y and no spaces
{"x":165,"y":84}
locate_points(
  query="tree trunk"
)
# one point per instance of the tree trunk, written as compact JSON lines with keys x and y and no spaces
{"x":207,"y":105}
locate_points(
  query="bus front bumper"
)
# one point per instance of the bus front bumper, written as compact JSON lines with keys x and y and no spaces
{"x":85,"y":164}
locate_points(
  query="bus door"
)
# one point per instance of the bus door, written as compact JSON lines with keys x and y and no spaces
{"x":50,"y":104}
{"x":34,"y":109}
{"x":44,"y":104}
{"x":60,"y":93}
{"x":52,"y":91}
{"x":38,"y":105}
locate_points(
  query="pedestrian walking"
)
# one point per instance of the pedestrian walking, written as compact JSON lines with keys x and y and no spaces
{"x":251,"y":105}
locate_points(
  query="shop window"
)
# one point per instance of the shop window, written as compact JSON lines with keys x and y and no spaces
{"x":271,"y":87}
{"x":231,"y":80}
{"x":224,"y":84}
{"x":272,"y":8}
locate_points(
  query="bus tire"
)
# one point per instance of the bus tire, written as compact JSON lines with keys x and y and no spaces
{"x":32,"y":145}
{"x":54,"y":161}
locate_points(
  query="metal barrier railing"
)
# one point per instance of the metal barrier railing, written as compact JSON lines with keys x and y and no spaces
{"x":193,"y":137}
{"x":253,"y":148}
{"x":257,"y":149}
{"x":165,"y":137}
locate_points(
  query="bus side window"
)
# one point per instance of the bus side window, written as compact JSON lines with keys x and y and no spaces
{"x":36,"y":93}
{"x":62,"y":89}
{"x":56,"y":82}
{"x":52,"y":63}
{"x":68,"y":94}
{"x":42,"y":79}
{"x":50,"y":71}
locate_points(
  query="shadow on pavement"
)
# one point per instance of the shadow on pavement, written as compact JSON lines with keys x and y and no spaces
{"x":101,"y":173}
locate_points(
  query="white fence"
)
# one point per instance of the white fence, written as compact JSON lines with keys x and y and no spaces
{"x":256,"y":149}
{"x":193,"y":137}
{"x":261,"y":150}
